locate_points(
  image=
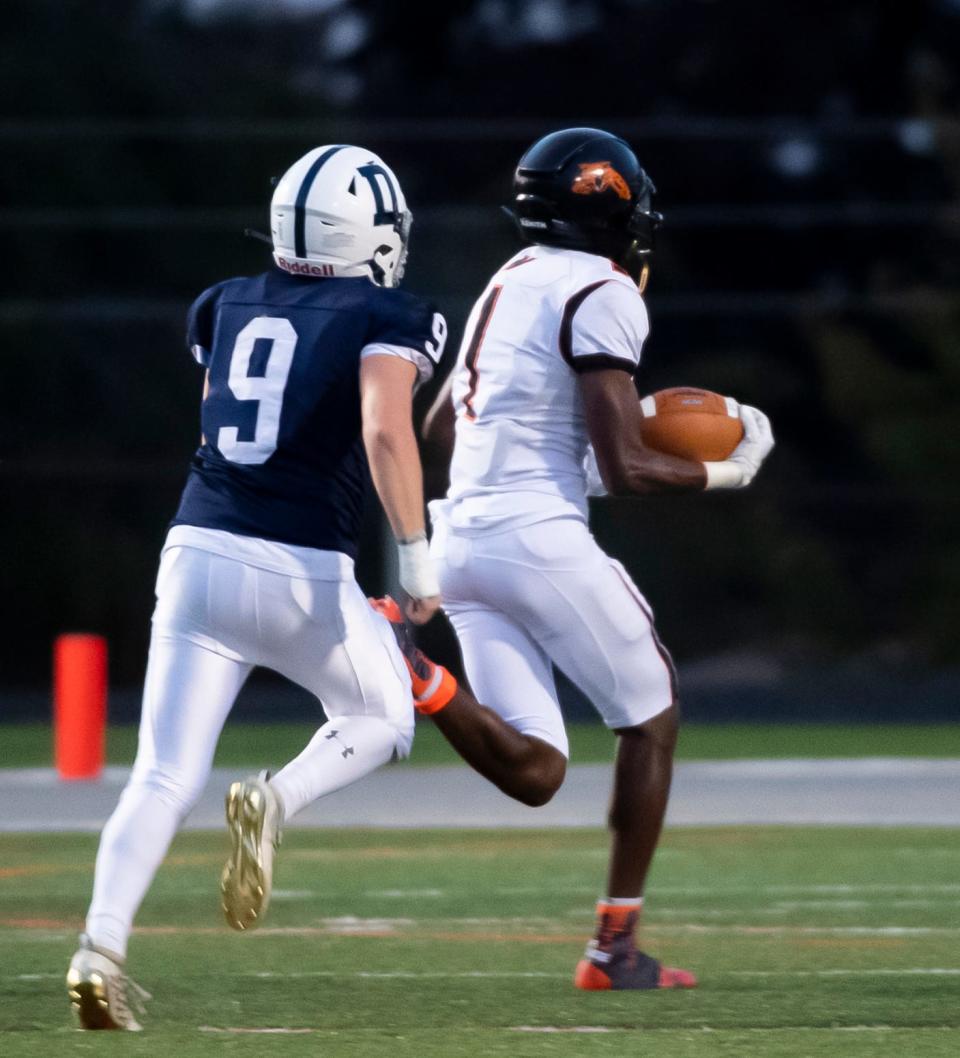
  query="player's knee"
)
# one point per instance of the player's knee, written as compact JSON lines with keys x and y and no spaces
{"x":395,"y":711}
{"x":174,"y":788}
{"x":403,"y":727}
{"x":542,"y":777}
{"x":659,"y":732}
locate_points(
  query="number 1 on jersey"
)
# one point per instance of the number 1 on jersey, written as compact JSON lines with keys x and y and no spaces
{"x":267,"y":389}
{"x":473,"y":349}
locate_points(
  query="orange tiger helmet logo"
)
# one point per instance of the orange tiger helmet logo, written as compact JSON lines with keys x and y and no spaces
{"x":595,"y":177}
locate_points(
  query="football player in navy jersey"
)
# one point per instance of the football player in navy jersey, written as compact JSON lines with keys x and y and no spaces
{"x":310,"y":374}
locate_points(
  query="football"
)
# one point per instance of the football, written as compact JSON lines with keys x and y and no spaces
{"x":692,"y":423}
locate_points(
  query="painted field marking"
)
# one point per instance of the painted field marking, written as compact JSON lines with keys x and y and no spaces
{"x":819,"y":1029}
{"x":283,"y":1031}
{"x":936,"y":896}
{"x":825,"y":931}
{"x":837,"y":888}
{"x":563,"y":1028}
{"x":202,"y":859}
{"x":686,"y":890}
{"x":400,"y":894}
{"x":860,"y":1028}
{"x":386,"y":927}
{"x":482,"y":847}
{"x":815,"y":905}
{"x":439,"y":928}
{"x":277,"y":1031}
{"x":35,"y":870}
{"x":586,"y":1029}
{"x":728,"y":1030}
{"x":413,"y":975}
{"x":916,"y":971}
{"x":295,"y":975}
{"x":493,"y":975}
{"x":693,"y":912}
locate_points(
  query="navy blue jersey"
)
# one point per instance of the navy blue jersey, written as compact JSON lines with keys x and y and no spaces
{"x":282,"y":456}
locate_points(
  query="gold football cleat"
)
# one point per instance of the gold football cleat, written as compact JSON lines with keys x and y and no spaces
{"x":100,"y":992}
{"x":254,"y":818}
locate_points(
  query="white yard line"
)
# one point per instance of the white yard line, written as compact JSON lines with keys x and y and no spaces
{"x":249,"y":1031}
{"x":563,"y":1028}
{"x":914,"y":971}
{"x":693,"y":913}
{"x":281,"y":1030}
{"x":942,"y":893}
{"x":852,"y":887}
{"x":350,"y":926}
{"x":825,"y":931}
{"x":495,"y":975}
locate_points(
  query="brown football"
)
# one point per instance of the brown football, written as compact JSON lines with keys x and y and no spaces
{"x":692,"y":423}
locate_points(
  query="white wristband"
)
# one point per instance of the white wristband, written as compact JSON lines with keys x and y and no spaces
{"x":724,"y":475}
{"x":418,"y":578}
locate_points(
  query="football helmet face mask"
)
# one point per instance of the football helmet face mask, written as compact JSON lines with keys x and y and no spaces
{"x":584,"y":189}
{"x":339,"y":211}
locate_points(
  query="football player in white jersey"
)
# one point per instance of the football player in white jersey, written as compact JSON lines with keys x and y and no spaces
{"x":546,"y":370}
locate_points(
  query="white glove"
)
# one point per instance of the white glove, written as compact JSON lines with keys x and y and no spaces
{"x":742,"y":466}
{"x":417,"y":576}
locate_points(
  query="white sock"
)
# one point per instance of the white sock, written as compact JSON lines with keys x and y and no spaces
{"x":621,"y":901}
{"x":342,"y":751}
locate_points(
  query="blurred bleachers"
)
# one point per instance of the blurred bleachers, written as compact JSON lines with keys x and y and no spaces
{"x":809,"y":264}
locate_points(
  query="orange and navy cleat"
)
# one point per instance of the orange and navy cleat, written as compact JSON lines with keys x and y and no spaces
{"x":633,"y":970}
{"x":612,"y":961}
{"x":433,"y":686}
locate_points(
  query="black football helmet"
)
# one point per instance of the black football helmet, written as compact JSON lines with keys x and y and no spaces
{"x":585,"y":189}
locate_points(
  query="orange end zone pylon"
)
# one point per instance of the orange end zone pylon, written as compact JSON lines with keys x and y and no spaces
{"x":79,"y":705}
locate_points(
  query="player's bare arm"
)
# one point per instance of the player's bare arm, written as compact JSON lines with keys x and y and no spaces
{"x":627,"y":466}
{"x":386,"y":395}
{"x":630,"y":467}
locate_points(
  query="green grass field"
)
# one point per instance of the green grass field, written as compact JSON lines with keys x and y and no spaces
{"x":243,"y":745}
{"x":421,"y":944}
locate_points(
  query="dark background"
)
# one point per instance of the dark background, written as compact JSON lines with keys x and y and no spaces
{"x":807,"y":157}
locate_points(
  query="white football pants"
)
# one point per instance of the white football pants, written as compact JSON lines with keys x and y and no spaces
{"x":216,"y":618}
{"x":546,"y":593}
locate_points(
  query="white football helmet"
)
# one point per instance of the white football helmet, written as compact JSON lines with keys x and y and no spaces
{"x":339,"y":211}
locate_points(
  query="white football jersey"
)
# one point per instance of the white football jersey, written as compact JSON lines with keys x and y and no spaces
{"x":521,"y":435}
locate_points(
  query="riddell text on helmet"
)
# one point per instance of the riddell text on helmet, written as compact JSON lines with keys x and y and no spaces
{"x":303,"y":268}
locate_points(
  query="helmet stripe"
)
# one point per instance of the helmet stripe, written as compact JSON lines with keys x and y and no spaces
{"x":394,"y":199}
{"x":300,"y":206}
